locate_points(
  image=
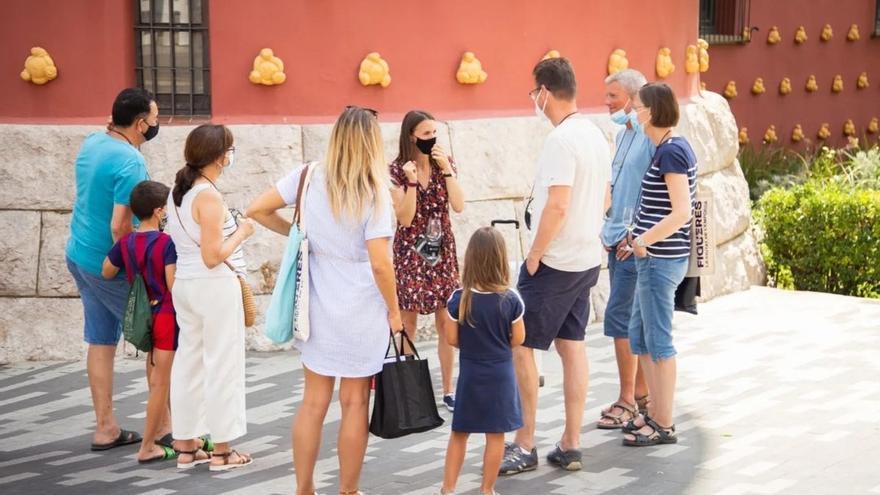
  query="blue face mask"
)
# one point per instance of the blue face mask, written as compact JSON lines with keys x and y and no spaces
{"x":634,"y":122}
{"x":620,"y":117}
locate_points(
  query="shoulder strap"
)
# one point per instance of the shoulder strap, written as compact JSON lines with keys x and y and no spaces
{"x":304,"y":179}
{"x":180,"y":221}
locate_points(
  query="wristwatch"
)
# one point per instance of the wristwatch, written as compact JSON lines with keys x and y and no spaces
{"x":640,"y":242}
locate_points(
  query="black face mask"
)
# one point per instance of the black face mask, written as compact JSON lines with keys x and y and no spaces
{"x":152,"y":130}
{"x":426,"y":145}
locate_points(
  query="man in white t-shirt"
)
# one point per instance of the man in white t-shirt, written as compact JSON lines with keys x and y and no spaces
{"x":564,"y":217}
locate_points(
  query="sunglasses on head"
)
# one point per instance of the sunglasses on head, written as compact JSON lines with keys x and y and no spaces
{"x":355,"y":107}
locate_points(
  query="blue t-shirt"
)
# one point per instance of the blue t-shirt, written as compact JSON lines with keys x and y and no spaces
{"x":488,"y":339}
{"x":675,"y":156}
{"x":107,"y":169}
{"x":632,"y":156}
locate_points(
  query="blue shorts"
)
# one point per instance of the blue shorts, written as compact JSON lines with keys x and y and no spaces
{"x":557,"y":304}
{"x":650,"y":326}
{"x":103,"y":305}
{"x":622,"y":275}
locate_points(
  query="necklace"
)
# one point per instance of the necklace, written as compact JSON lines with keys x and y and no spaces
{"x":209,"y":181}
{"x":566,"y":117}
{"x":121,"y":134}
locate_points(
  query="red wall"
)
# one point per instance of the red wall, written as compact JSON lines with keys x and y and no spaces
{"x":323,"y":42}
{"x":91,"y":46}
{"x":743,"y":63}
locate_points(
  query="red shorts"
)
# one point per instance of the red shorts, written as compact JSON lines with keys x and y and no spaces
{"x":165,"y":331}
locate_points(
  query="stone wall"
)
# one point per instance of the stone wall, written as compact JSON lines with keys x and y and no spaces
{"x":40,"y":317}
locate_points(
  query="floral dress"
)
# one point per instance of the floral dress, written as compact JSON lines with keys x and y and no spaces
{"x":423,"y":288}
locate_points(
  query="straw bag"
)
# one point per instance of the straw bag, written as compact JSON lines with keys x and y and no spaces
{"x":247,"y":295}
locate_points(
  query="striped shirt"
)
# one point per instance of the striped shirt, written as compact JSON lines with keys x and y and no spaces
{"x":674,"y":156}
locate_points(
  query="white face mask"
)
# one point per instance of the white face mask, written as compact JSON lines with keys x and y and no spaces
{"x":539,"y":111}
{"x":231,"y":156}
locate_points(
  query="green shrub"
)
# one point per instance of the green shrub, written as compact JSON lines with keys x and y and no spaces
{"x":824,"y":236}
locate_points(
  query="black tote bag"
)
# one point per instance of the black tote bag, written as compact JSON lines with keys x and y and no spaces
{"x":404,"y":401}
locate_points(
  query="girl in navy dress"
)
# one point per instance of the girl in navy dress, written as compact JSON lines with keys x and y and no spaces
{"x":485,"y":323}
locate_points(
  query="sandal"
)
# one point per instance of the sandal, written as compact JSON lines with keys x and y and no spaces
{"x":658,"y":436}
{"x":642,"y":402}
{"x":244,"y":460}
{"x":167,"y":455}
{"x":631,"y":425}
{"x":125,"y":438}
{"x":195,"y":455}
{"x":615,"y":421}
{"x":168,"y":441}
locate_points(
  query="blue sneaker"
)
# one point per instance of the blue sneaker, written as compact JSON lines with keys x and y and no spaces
{"x":449,"y":402}
{"x":516,"y":461}
{"x":570,"y":460}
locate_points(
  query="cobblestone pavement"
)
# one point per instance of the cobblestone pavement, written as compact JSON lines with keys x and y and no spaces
{"x":778,"y":393}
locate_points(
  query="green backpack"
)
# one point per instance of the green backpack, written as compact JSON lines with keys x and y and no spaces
{"x":137,"y":323}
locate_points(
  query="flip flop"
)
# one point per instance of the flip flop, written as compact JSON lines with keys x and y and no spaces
{"x":167,"y":454}
{"x":168,"y":441}
{"x":125,"y":438}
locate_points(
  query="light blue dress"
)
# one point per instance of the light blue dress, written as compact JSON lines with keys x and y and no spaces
{"x":348,"y":318}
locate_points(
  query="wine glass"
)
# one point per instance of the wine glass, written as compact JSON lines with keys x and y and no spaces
{"x":434,"y":231}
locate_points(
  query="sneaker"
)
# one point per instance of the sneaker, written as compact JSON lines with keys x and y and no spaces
{"x":516,"y":461}
{"x":570,"y":460}
{"x":449,"y":401}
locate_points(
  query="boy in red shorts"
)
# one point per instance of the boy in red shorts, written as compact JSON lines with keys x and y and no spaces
{"x":151,"y":252}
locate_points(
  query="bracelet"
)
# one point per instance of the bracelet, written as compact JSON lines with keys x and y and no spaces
{"x":412,"y":184}
{"x":447,"y":176}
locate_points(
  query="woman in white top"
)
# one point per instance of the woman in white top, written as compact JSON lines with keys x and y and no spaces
{"x":352,"y":293}
{"x":207,"y":377}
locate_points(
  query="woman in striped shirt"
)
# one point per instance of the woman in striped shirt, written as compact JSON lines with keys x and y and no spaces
{"x":661,"y":243}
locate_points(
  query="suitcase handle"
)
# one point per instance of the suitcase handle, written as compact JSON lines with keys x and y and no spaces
{"x":505,"y":222}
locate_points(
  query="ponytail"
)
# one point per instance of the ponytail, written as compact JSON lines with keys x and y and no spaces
{"x":204,"y":145}
{"x":183,"y":182}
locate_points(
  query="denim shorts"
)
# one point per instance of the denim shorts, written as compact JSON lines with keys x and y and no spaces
{"x":557,"y":304}
{"x":103,"y":305}
{"x":650,"y":326}
{"x":622,"y":275}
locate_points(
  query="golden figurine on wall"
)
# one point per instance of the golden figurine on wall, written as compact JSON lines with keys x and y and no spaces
{"x":39,"y":68}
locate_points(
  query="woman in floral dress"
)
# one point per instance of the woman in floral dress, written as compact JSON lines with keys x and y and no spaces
{"x":426,"y":187}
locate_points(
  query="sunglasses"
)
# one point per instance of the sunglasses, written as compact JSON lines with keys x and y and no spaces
{"x":355,"y":107}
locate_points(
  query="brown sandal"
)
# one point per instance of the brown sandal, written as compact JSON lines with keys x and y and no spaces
{"x":642,"y":402}
{"x":244,"y":460}
{"x":616,"y":421}
{"x":195,"y":458}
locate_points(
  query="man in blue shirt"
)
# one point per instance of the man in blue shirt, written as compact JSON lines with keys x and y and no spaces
{"x":632,"y":158}
{"x":108,"y":167}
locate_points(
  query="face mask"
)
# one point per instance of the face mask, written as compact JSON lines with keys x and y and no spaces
{"x":634,"y":122}
{"x":539,"y":111}
{"x":152,"y":130}
{"x":231,"y":156}
{"x":620,"y":117}
{"x":426,"y":145}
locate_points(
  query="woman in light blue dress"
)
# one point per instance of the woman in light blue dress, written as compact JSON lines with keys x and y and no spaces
{"x":350,"y":223}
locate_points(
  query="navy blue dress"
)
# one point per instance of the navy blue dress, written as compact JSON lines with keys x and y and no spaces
{"x":487,"y":397}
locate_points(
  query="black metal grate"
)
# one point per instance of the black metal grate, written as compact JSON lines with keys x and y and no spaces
{"x":724,"y":21}
{"x":877,"y":20}
{"x":171,"y":51}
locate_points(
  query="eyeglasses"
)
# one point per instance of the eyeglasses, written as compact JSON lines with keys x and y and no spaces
{"x":534,"y":93}
{"x":230,"y":149}
{"x":355,"y":107}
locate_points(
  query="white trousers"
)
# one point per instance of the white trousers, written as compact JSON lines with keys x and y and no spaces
{"x":207,"y":377}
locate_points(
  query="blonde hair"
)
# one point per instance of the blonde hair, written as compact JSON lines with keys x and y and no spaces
{"x":356,"y":168}
{"x":485,"y":268}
